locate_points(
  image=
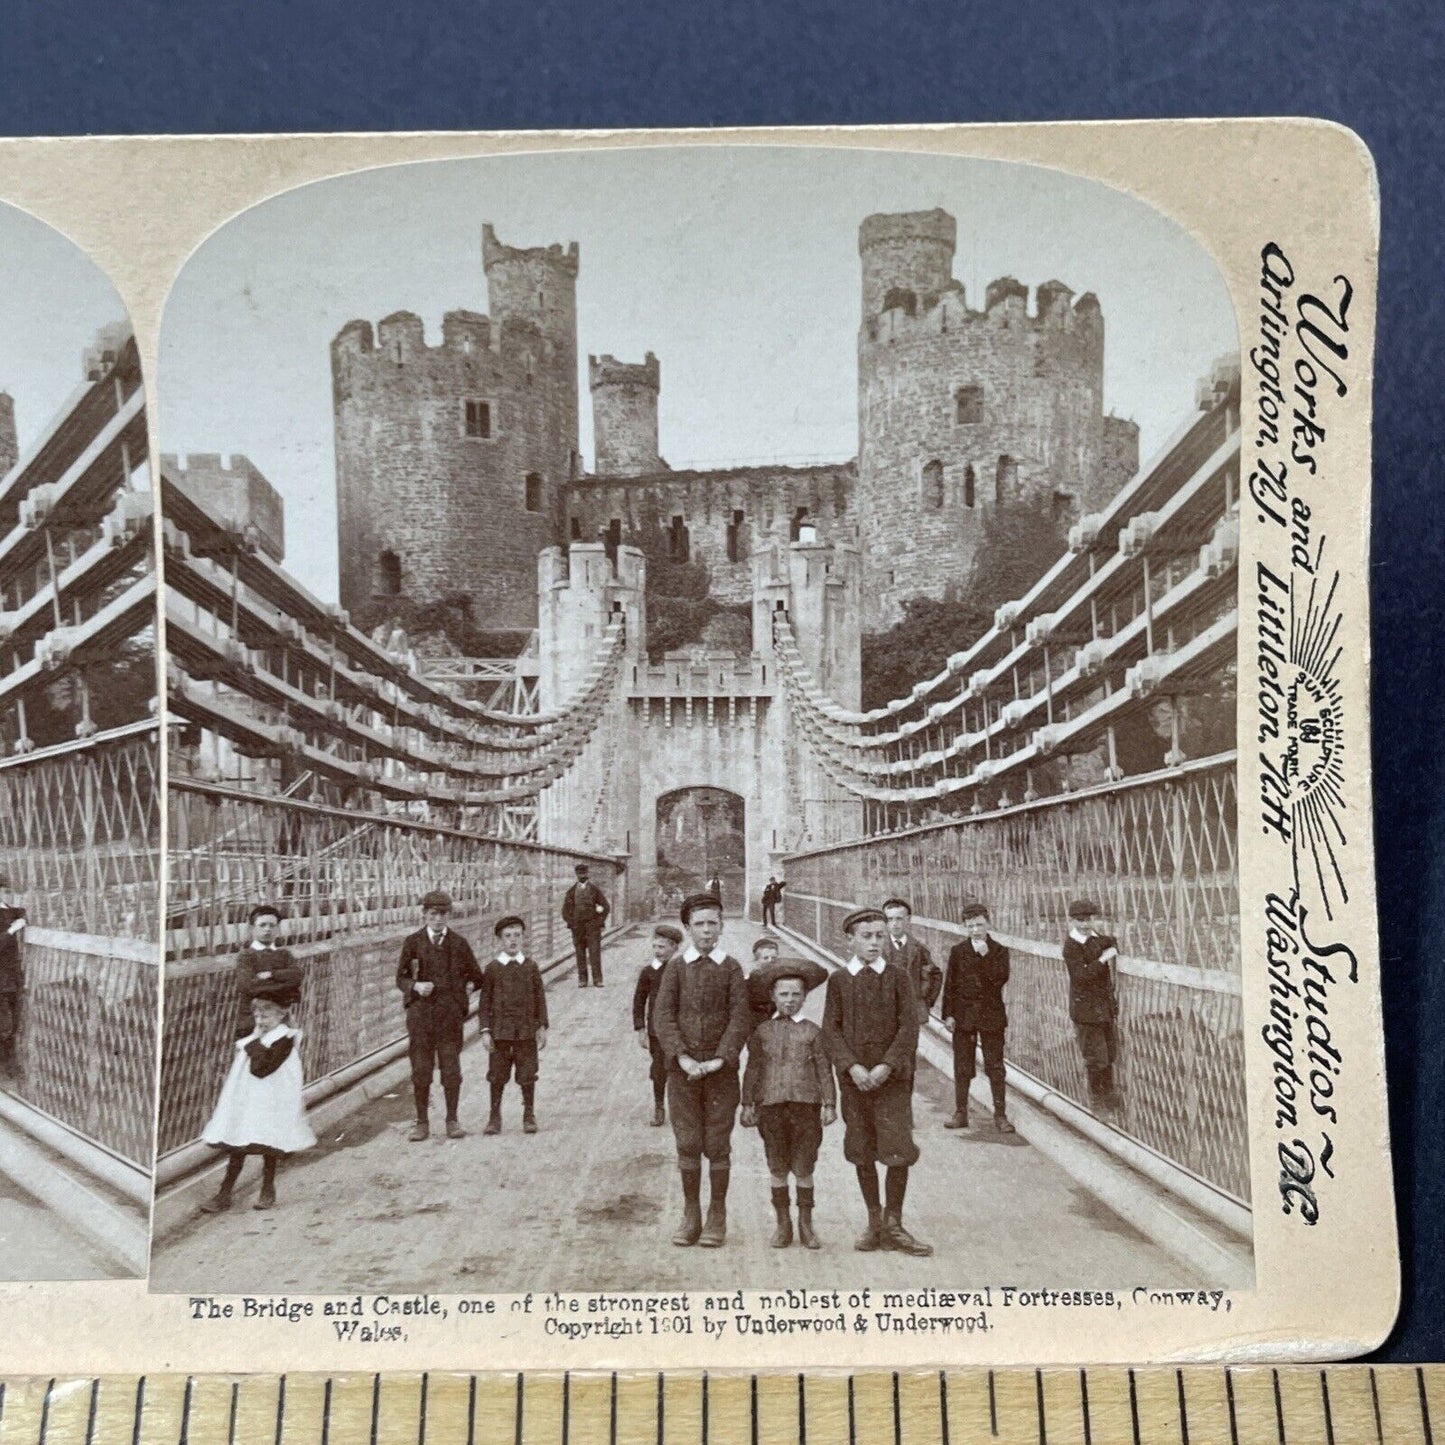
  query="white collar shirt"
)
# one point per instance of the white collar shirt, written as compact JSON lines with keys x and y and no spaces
{"x":691,"y":955}
{"x":436,"y":937}
{"x":980,"y":945}
{"x":506,"y":958}
{"x":258,"y":947}
{"x":856,"y":965}
{"x":1079,"y":936}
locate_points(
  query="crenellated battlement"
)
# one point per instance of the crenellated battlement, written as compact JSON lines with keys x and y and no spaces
{"x":565,"y":259}
{"x":609,"y":371}
{"x":1006,"y":308}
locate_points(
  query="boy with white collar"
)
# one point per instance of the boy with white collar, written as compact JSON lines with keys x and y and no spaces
{"x":513,"y":1015}
{"x":1090,"y":956}
{"x":665,"y":942}
{"x":702,"y":1023}
{"x":870,"y":1028}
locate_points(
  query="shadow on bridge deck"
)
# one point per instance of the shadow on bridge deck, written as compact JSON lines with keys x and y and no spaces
{"x":590,"y":1202}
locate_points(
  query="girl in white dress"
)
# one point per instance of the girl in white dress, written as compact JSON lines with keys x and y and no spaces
{"x":260,"y":1110}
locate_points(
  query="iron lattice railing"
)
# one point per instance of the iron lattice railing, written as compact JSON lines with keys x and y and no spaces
{"x":350,"y":885}
{"x":80,"y":840}
{"x":1157,"y":854}
{"x":80,"y":828}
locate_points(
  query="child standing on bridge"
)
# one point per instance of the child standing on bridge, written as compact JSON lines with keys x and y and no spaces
{"x":513,"y":1015}
{"x":665,"y":942}
{"x":788,"y":1093}
{"x":261,"y":1109}
{"x":703,"y":1023}
{"x":764,"y":975}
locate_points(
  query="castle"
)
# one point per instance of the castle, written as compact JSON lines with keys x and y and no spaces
{"x":457,"y":464}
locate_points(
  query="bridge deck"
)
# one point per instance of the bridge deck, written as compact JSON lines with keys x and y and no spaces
{"x":590,"y":1202}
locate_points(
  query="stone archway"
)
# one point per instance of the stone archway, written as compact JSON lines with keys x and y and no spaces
{"x":702,"y":833}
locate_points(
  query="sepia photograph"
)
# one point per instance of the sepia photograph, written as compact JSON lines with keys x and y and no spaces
{"x":80,"y":792}
{"x":701,"y":703}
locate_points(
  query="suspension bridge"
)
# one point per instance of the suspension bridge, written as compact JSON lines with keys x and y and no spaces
{"x":80,"y":825}
{"x":342,"y":776}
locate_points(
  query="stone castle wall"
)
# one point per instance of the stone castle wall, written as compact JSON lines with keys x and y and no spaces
{"x":9,"y":438}
{"x":728,"y":516}
{"x":451,"y":459}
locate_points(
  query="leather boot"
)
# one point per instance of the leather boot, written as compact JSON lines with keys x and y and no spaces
{"x":659,"y":1118}
{"x":958,"y":1120}
{"x":267,"y":1197}
{"x":218,"y":1203}
{"x":783,"y":1234}
{"x":494,"y":1123}
{"x":418,"y":1132}
{"x":1001,"y":1123}
{"x":715,"y":1230}
{"x":690,"y":1229}
{"x":872,"y":1237}
{"x":897,"y":1238}
{"x":806,"y":1237}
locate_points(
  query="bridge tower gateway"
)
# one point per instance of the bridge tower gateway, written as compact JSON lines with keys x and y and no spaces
{"x":697,"y":723}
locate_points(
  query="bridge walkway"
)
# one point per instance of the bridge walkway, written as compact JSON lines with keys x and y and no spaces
{"x":590,"y":1202}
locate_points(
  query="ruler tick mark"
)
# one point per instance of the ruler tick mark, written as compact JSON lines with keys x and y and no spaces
{"x":1375,"y":1401}
{"x":326,"y":1413}
{"x":140,"y":1404}
{"x":1183,"y":1408}
{"x":802,"y":1410}
{"x":420,"y":1412}
{"x":852,"y":1423}
{"x":1424,"y":1407}
{"x":281,"y":1410}
{"x":992,"y":1407}
{"x":517,"y":1433}
{"x":661,"y":1405}
{"x":185,"y":1413}
{"x":1039,"y":1397}
{"x":1084,"y":1406}
{"x":1229,"y":1395}
{"x":1278,"y":1408}
{"x":1329,"y":1416}
{"x":45,"y":1411}
{"x":897,"y":1413}
{"x":566,"y":1406}
{"x":1134,"y":1408}
{"x":95,"y":1406}
{"x":375,"y":1406}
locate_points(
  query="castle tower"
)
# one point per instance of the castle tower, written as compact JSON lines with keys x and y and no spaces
{"x":452,"y":458}
{"x":624,"y":416}
{"x":9,"y":437}
{"x":962,"y":413}
{"x":578,"y":592}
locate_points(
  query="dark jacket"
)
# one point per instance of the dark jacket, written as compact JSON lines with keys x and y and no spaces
{"x":644,"y":998}
{"x":788,"y":1064}
{"x":452,"y":967}
{"x":916,"y":961}
{"x":11,"y":975}
{"x":973,"y":992}
{"x":579,"y":907}
{"x":1091,"y":980}
{"x":265,"y":1059}
{"x":701,"y":1010}
{"x":513,"y":1003}
{"x":265,"y":970}
{"x":871,"y":1019}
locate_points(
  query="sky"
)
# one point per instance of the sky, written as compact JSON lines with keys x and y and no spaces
{"x":53,"y":300}
{"x":737,"y":266}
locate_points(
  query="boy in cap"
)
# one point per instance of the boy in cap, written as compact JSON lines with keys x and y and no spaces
{"x":265,"y":967}
{"x":702,"y":1022}
{"x":12,"y":976}
{"x":973,"y":1011}
{"x":761,"y":979}
{"x":1093,"y":1003}
{"x":512,"y":1011}
{"x":437,"y":968}
{"x":665,"y":942}
{"x":870,"y":1028}
{"x":788,"y":1093}
{"x":584,"y":911}
{"x":912,"y":955}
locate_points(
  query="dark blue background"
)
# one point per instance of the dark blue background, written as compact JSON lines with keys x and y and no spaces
{"x":71,"y":66}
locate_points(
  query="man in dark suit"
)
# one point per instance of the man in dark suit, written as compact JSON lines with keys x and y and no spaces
{"x":584,"y":911}
{"x":437,"y":968}
{"x":772,"y":896}
{"x":265,"y":968}
{"x":912,"y":956}
{"x":1090,"y":957}
{"x":973,"y":1012}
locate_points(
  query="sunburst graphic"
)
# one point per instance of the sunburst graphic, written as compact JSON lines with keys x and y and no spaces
{"x":1314,"y":760}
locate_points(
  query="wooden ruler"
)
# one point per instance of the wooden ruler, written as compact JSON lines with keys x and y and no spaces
{"x":1198,"y":1405}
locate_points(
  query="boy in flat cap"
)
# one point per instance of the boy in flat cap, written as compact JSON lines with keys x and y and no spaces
{"x":12,"y":976}
{"x":512,"y":1011}
{"x":911,"y":955}
{"x":666,"y":939}
{"x":437,"y":968}
{"x":763,"y":976}
{"x":870,"y":1028}
{"x":702,"y":1022}
{"x":1090,"y":957}
{"x":973,"y":1012}
{"x":788,"y":1093}
{"x":265,"y":967}
{"x":584,"y":911}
